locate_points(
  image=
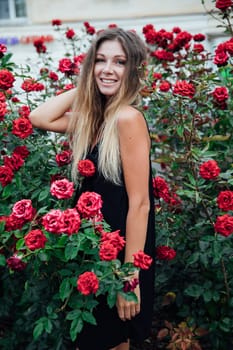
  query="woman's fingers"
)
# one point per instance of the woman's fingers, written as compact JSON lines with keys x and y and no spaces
{"x":127,"y":309}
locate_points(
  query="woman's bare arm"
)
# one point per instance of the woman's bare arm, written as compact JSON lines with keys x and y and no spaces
{"x":53,"y":115}
{"x":135,"y":149}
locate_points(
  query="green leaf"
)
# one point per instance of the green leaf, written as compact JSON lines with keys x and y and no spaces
{"x":20,"y":243}
{"x":71,"y":251}
{"x":65,"y":289}
{"x":88,"y":317}
{"x":194,"y":290}
{"x":72,"y":315}
{"x":76,"y":327}
{"x":43,"y":194}
{"x":111,"y":299}
{"x":193,"y":258}
{"x":38,"y":330}
{"x":180,"y":130}
{"x":2,"y":260}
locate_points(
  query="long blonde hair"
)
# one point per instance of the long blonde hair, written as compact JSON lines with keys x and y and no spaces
{"x":94,"y":117}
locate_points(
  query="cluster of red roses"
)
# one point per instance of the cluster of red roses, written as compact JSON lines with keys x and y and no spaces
{"x":223,"y":52}
{"x":210,"y":170}
{"x":68,"y":222}
{"x":31,"y":84}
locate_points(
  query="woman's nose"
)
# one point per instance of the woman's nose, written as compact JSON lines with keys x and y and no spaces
{"x":107,"y":67}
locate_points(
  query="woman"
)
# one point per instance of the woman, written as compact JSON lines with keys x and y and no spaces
{"x":105,"y":127}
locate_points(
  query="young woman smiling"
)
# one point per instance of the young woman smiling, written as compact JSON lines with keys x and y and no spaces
{"x":106,"y":127}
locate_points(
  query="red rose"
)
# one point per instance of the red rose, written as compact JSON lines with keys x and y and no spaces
{"x":35,"y":239}
{"x":15,"y":263}
{"x":31,"y":84}
{"x":160,"y":188}
{"x":56,"y":22}
{"x":23,"y":209}
{"x":221,"y":58}
{"x":164,"y":252}
{"x":199,"y":37}
{"x":209,"y":170}
{"x":86,"y":167}
{"x":224,"y":225}
{"x":225,"y":200}
{"x":22,"y":128}
{"x":114,"y":238}
{"x":6,"y":79}
{"x":107,"y":251}
{"x":13,"y":223}
{"x":6,"y":175}
{"x":223,"y":4}
{"x":53,"y":76}
{"x":14,"y":162}
{"x":3,"y":49}
{"x":87,"y":283}
{"x":142,"y":260}
{"x":89,"y":204}
{"x":63,"y":158}
{"x":3,"y":110}
{"x":71,"y":221}
{"x":164,"y":86}
{"x":163,"y":55}
{"x":229,"y":46}
{"x":22,"y":151}
{"x":24,"y":111}
{"x":70,"y":33}
{"x":2,"y":97}
{"x":130,"y":285}
{"x":53,"y":221}
{"x":220,"y":94}
{"x":184,"y":88}
{"x":66,"y":66}
{"x":198,"y":48}
{"x":62,"y":189}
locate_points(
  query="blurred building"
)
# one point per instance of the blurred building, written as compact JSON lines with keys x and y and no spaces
{"x":23,"y":20}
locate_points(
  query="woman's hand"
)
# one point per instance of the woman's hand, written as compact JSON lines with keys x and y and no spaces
{"x":128,"y":309}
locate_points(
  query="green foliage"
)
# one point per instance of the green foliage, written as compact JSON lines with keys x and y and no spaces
{"x":40,"y":306}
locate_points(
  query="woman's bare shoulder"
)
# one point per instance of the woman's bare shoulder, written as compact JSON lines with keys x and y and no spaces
{"x":130,"y":116}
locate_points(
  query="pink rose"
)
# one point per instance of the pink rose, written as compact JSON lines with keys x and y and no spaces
{"x":63,"y":158}
{"x":53,"y":221}
{"x":71,"y":221}
{"x":23,"y":210}
{"x":62,"y":189}
{"x":89,"y":204}
{"x":35,"y":239}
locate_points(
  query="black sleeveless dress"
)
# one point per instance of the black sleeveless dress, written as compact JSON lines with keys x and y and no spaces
{"x":110,"y":330}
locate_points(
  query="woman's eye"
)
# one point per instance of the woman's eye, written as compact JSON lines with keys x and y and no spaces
{"x":99,"y":60}
{"x":121,"y":62}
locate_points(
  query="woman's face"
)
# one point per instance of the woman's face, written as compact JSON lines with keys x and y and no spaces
{"x":109,"y":67}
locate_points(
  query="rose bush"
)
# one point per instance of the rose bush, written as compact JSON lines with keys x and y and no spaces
{"x":188,"y":103}
{"x":56,"y":254}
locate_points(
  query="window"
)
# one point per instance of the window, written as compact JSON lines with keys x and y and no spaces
{"x":12,"y":10}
